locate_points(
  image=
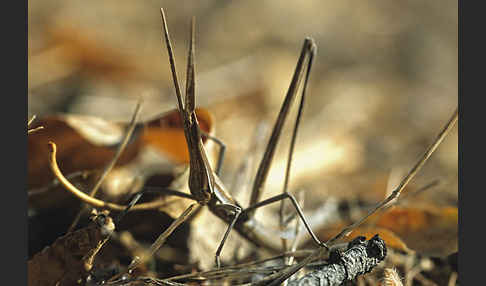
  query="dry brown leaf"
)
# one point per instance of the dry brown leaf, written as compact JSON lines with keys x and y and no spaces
{"x":162,"y":159}
{"x":390,"y":238}
{"x":71,"y":256}
{"x":88,"y":143}
{"x":77,"y":151}
{"x":429,"y":230}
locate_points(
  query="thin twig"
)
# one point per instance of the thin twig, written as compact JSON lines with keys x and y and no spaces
{"x":158,"y":242}
{"x":231,"y":269}
{"x":144,"y":280}
{"x":405,"y":181}
{"x":407,"y":196}
{"x":430,"y":185}
{"x":35,"y":129}
{"x":90,"y":200}
{"x":298,"y":230}
{"x":110,"y":165}
{"x":278,"y":278}
{"x":452,"y":279}
{"x":295,"y":242}
{"x":55,"y":182}
{"x":32,"y":130}
{"x":31,"y":120}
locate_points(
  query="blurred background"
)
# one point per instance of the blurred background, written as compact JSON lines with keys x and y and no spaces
{"x":383,"y":83}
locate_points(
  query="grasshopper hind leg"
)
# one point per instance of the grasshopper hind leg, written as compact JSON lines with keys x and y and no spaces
{"x":235,"y":211}
{"x":222,"y":151}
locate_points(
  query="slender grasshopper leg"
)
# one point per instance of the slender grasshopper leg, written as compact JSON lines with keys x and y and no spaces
{"x":203,"y":183}
{"x":205,"y":186}
{"x":136,"y":196}
{"x":163,"y":237}
{"x":236,"y":212}
{"x":295,"y":130}
{"x":111,"y":164}
{"x":279,"y":277}
{"x":222,"y":151}
{"x":309,"y":50}
{"x":297,"y":208}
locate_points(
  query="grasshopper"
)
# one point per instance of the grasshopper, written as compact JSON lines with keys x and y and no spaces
{"x":204,"y":184}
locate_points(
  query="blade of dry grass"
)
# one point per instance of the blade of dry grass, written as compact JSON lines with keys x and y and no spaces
{"x":112,"y":163}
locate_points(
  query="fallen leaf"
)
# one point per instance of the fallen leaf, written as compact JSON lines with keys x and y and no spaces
{"x":71,"y":256}
{"x":390,"y":238}
{"x":429,"y":230}
{"x":84,"y":144}
{"x":88,"y":143}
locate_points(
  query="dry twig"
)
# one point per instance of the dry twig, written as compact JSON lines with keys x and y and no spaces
{"x":111,"y":164}
{"x":396,"y":193}
{"x":88,"y":199}
{"x":278,"y":278}
{"x":360,"y":258}
{"x":32,"y":130}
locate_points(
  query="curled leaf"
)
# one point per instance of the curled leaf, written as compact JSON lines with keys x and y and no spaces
{"x":88,"y":143}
